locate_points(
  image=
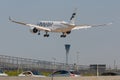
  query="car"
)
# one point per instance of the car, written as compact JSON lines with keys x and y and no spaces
{"x":63,"y":73}
{"x":31,"y":73}
{"x":75,"y":73}
{"x":110,"y":74}
{"x":2,"y":73}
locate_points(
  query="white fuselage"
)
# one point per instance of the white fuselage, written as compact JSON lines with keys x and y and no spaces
{"x":55,"y":26}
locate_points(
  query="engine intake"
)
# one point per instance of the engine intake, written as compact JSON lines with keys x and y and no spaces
{"x":68,"y":32}
{"x":34,"y":30}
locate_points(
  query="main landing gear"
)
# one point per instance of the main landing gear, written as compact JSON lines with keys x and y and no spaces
{"x":46,"y":35}
{"x":63,"y":35}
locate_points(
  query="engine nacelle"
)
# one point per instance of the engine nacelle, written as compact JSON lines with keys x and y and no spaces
{"x":68,"y":32}
{"x":33,"y":30}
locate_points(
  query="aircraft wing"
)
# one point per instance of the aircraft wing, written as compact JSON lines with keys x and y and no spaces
{"x":89,"y":26}
{"x":31,"y":25}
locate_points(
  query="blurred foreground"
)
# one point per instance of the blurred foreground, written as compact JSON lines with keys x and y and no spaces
{"x":63,"y":78}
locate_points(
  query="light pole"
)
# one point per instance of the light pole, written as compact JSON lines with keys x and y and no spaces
{"x":77,"y":57}
{"x":54,"y":63}
{"x":97,"y":69}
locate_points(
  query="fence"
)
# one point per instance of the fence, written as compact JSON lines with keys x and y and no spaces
{"x":9,"y":62}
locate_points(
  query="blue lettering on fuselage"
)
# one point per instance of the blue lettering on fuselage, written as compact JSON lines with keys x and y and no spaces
{"x":45,"y":24}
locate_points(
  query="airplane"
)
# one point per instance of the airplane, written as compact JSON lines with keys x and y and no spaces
{"x":56,"y":26}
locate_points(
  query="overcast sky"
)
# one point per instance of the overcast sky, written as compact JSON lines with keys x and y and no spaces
{"x":99,"y":45}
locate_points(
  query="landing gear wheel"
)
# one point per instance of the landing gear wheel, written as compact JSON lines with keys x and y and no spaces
{"x":46,"y":35}
{"x":38,"y":33}
{"x":63,"y":36}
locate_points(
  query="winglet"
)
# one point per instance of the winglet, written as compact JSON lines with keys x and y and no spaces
{"x":16,"y":21}
{"x":10,"y":18}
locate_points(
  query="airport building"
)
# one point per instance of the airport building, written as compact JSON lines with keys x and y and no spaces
{"x":98,"y":68}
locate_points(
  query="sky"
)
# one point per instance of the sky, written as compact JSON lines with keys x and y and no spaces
{"x":100,"y":45}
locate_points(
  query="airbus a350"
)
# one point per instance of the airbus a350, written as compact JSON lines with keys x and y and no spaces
{"x":56,"y":26}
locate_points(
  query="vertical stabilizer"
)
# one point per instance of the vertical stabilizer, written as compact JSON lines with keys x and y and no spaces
{"x":72,"y":19}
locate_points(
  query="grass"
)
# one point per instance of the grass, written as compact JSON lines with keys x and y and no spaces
{"x":13,"y":73}
{"x":16,"y":73}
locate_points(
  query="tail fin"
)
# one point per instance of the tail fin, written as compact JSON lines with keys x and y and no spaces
{"x":72,"y":19}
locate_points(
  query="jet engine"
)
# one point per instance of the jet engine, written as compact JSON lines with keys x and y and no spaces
{"x":34,"y":30}
{"x":68,"y":32}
